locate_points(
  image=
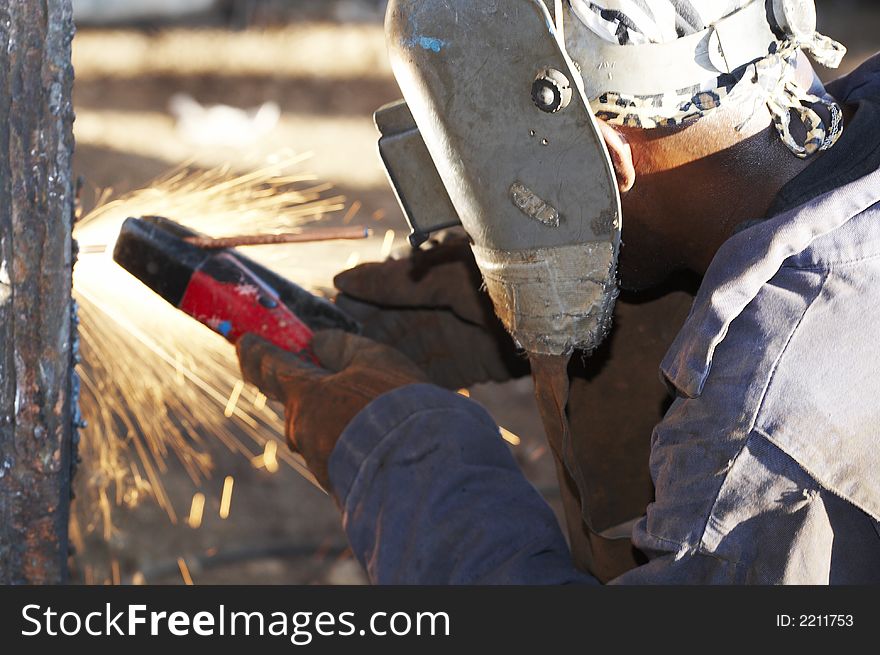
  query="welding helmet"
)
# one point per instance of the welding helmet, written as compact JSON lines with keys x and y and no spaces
{"x":498,"y":133}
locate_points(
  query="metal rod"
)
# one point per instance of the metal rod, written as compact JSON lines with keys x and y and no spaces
{"x":306,"y":236}
{"x":37,"y":331}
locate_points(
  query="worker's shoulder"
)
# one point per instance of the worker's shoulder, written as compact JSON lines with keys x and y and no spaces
{"x":780,"y":349}
{"x":796,"y":369}
{"x":825,"y":302}
{"x":801,"y":363}
{"x":799,"y":366}
{"x":820,"y":400}
{"x":803,"y":354}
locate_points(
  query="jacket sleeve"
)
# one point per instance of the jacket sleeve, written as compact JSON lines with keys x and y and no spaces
{"x":430,"y":494}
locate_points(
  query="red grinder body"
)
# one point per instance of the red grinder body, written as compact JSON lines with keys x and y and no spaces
{"x":223,"y":289}
{"x":232,"y":301}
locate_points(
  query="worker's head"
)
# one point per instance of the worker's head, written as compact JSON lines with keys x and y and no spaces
{"x":692,"y":95}
{"x":687,"y":94}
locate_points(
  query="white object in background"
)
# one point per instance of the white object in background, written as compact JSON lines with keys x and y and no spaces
{"x":115,"y":11}
{"x":222,"y":125}
{"x":359,"y":11}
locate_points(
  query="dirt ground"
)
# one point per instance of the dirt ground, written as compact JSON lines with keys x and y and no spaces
{"x":327,"y":77}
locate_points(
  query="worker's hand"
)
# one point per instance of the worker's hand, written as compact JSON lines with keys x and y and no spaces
{"x":320,"y":402}
{"x":431,"y":307}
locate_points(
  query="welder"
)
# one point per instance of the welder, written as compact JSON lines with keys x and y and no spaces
{"x":685,"y":136}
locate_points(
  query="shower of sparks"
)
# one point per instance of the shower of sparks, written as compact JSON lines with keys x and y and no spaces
{"x":184,"y":572}
{"x":155,"y":383}
{"x":226,"y":498}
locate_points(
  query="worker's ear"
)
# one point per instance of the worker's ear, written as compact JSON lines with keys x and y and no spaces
{"x":621,"y":156}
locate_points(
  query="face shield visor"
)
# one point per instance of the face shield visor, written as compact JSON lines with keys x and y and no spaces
{"x":500,"y":135}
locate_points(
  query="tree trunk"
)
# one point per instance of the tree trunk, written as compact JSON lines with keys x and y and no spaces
{"x":37,"y":331}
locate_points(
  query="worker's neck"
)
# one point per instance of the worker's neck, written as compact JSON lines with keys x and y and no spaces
{"x":753,"y":174}
{"x":754,"y":171}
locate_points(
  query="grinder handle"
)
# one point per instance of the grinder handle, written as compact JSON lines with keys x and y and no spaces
{"x":230,"y":299}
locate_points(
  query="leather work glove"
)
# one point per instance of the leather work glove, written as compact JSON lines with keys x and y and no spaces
{"x":320,"y":402}
{"x":431,"y":307}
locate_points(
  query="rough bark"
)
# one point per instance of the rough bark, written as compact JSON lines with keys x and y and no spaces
{"x":37,"y":336}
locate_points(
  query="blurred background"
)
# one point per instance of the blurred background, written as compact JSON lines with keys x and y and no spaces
{"x":236,"y":116}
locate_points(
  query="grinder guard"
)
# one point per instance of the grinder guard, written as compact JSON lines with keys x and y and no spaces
{"x":501,"y":109}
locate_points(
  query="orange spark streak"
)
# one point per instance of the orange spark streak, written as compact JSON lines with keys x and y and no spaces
{"x":196,"y":511}
{"x":184,"y":572}
{"x":226,"y":498}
